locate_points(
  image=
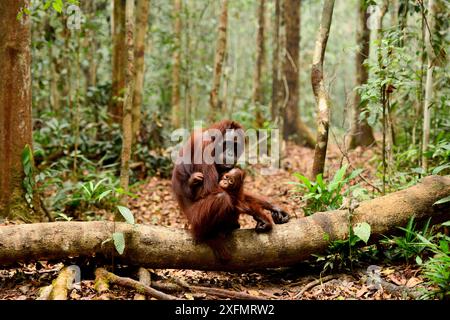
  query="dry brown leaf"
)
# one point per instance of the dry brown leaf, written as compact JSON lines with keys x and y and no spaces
{"x":400,"y":281}
{"x":361,"y":291}
{"x":253,"y":292}
{"x":387,"y":271}
{"x":412,"y":282}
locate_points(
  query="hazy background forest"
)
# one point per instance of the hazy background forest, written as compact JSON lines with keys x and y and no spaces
{"x":112,"y":79}
{"x":73,"y":68}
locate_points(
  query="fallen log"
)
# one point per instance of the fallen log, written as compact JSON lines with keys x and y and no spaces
{"x":163,"y":247}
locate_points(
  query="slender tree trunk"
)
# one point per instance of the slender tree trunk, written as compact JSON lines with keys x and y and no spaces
{"x":119,"y":60}
{"x":275,"y":112}
{"x":361,"y":132}
{"x":54,"y":79}
{"x":188,"y":84}
{"x":176,"y":82}
{"x":429,"y":83}
{"x":91,"y":45}
{"x":394,"y":12}
{"x":293,"y":127}
{"x":127,"y":135}
{"x":15,"y":108}
{"x":383,"y":91}
{"x":403,"y":18}
{"x":320,"y":91}
{"x":142,"y":11}
{"x":221,"y":47}
{"x":260,"y":56}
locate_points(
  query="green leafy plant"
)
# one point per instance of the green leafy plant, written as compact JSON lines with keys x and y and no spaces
{"x":322,"y":196}
{"x":28,"y":169}
{"x":408,"y":246}
{"x":343,"y":254}
{"x":118,"y":238}
{"x":87,"y":196}
{"x":437,"y":268}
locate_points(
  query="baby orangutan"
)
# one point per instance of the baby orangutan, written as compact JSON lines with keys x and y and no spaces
{"x":217,"y":213}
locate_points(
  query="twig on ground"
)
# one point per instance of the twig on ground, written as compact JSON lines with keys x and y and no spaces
{"x":133,"y":284}
{"x":314,"y":283}
{"x":221,"y":293}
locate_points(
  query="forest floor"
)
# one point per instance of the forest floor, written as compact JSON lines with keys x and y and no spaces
{"x":156,"y":205}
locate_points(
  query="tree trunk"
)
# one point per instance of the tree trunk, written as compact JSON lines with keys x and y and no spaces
{"x":119,"y":61}
{"x":91,"y":46}
{"x":403,"y":19}
{"x":275,"y":111}
{"x":293,"y":127}
{"x":361,"y":133}
{"x":218,"y":60}
{"x":176,"y":109}
{"x":15,"y":108}
{"x":163,"y":247}
{"x":128,"y":100}
{"x":320,"y":91}
{"x":429,"y":83}
{"x":140,"y":44}
{"x":55,"y":101}
{"x":260,"y":56}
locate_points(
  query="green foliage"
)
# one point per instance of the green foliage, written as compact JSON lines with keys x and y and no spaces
{"x":85,"y":198}
{"x":119,"y":241}
{"x":56,"y":5}
{"x":437,"y":268}
{"x":443,"y":200}
{"x":126,"y":214}
{"x":322,"y":196}
{"x":28,"y":169}
{"x":362,"y":231}
{"x":344,"y":254}
{"x":430,"y":250}
{"x":408,"y":246}
{"x":118,"y":237}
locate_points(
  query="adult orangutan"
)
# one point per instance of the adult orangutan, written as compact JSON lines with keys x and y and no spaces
{"x":211,"y":212}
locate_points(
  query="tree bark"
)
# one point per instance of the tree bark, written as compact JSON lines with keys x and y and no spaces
{"x":163,"y":247}
{"x":15,"y":108}
{"x":119,"y":61}
{"x":361,"y":133}
{"x":128,"y":100}
{"x":176,"y":82}
{"x":293,"y":127}
{"x":403,"y":18}
{"x":90,"y":43}
{"x":428,"y":100}
{"x":320,"y":91}
{"x":260,"y":56}
{"x":142,"y":12}
{"x":275,"y":108}
{"x":221,"y":48}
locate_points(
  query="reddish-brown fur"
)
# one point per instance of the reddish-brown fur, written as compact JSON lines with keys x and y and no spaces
{"x":227,"y":201}
{"x":210,"y":210}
